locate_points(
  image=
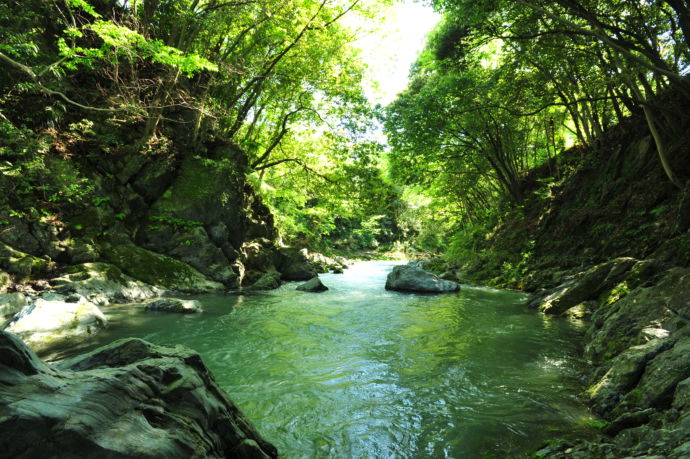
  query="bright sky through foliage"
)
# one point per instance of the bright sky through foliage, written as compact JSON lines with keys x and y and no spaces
{"x":390,"y":50}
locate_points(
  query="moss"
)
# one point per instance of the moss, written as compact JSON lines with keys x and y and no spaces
{"x":5,"y":281}
{"x":597,"y":423}
{"x":616,"y":293}
{"x":22,"y":264}
{"x":158,"y":269}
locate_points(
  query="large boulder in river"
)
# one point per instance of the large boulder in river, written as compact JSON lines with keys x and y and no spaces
{"x":412,"y":278}
{"x":313,"y":285}
{"x":127,"y":399}
{"x":59,"y":321}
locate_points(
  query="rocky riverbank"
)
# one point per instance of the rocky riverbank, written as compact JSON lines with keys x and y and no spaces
{"x":607,"y":242}
{"x":127,"y":399}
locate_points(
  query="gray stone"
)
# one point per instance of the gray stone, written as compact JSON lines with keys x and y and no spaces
{"x":10,"y":305}
{"x":127,"y":399}
{"x":103,"y":283}
{"x":174,"y":305}
{"x":51,"y":323}
{"x":624,"y":373}
{"x":630,"y":320}
{"x":294,"y":266}
{"x":412,"y":278}
{"x":313,"y":285}
{"x":663,"y":374}
{"x":268,"y":281}
{"x":586,"y":286}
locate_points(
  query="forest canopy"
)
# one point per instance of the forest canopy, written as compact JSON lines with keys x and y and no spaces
{"x":279,"y":79}
{"x":502,"y":87}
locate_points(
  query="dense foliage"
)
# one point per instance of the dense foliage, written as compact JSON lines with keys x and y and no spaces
{"x":170,"y":77}
{"x":502,"y":87}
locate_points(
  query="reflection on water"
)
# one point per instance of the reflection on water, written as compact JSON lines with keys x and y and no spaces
{"x":362,"y":372}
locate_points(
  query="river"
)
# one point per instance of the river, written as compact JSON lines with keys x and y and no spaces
{"x":359,"y":371}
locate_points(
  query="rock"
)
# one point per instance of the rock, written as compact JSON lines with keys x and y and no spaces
{"x":313,"y":285}
{"x":293,"y":265}
{"x":586,"y":286}
{"x":661,"y":376}
{"x":5,"y":281}
{"x":623,"y":375}
{"x":337,"y":270}
{"x":628,"y":421}
{"x":174,"y":305}
{"x":628,"y":322}
{"x":22,"y":264}
{"x":412,"y":278}
{"x":82,"y":252}
{"x":681,"y":398}
{"x":45,"y":324}
{"x":195,"y":248}
{"x":127,"y":399}
{"x":103,"y":283}
{"x":11,"y":304}
{"x":160,"y":270}
{"x":268,"y":281}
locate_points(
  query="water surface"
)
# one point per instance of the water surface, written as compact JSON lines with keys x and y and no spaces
{"x":362,"y":372}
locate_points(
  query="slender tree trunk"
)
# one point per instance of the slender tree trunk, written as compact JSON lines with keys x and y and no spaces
{"x":660,"y":146}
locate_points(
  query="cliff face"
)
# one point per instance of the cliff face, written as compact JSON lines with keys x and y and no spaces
{"x":158,"y":216}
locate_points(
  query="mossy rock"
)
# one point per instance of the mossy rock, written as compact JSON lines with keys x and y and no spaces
{"x":268,"y":281}
{"x":22,"y":264}
{"x":5,"y":281}
{"x":157,"y":269}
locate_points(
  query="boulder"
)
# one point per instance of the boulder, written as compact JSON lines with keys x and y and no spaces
{"x":174,"y":305}
{"x":313,"y":285}
{"x":157,"y":269}
{"x":662,"y":375}
{"x":22,"y":264}
{"x":412,"y":278}
{"x":103,"y":283}
{"x":11,"y":304}
{"x":293,"y":265}
{"x":337,"y":270}
{"x":48,"y":323}
{"x":268,"y":281}
{"x":127,"y":399}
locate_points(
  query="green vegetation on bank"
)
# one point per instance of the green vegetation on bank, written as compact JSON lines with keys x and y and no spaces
{"x":106,"y":84}
{"x":503,"y":87}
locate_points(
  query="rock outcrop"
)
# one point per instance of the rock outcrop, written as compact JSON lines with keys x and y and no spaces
{"x":293,"y":265}
{"x":638,"y":341}
{"x":583,"y":287}
{"x":127,"y":399}
{"x":412,"y":278}
{"x":313,"y":285}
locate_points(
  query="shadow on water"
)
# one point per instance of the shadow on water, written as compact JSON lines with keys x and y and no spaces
{"x":362,"y":372}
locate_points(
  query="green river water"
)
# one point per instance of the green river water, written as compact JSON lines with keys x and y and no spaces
{"x":362,"y":372}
